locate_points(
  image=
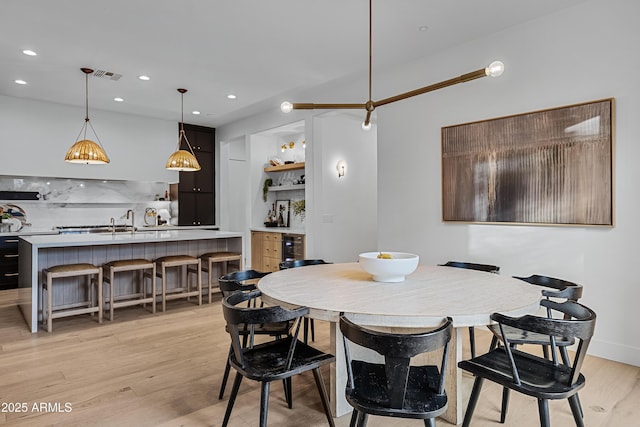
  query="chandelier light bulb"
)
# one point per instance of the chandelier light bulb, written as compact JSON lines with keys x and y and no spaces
{"x":495,"y":69}
{"x":366,"y":126}
{"x":286,"y":107}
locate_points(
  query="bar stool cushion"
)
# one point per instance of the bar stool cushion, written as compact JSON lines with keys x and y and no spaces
{"x":71,"y":270}
{"x":129,"y":263}
{"x":177,"y":260}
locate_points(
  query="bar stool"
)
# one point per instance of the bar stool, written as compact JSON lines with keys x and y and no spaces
{"x":183,"y":290}
{"x":139,"y":296}
{"x":67,"y":271}
{"x":224,"y":258}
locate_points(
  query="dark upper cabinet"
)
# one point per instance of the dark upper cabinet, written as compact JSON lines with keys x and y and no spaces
{"x":196,"y":196}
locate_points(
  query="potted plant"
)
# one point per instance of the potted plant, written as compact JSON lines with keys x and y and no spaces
{"x":299,"y":208}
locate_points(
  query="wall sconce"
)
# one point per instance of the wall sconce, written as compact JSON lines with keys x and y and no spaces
{"x":290,"y":146}
{"x":341,"y":167}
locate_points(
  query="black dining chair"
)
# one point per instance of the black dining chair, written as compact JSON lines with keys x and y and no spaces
{"x":533,"y":375}
{"x":488,"y":268}
{"x":295,"y":263}
{"x":245,"y":281}
{"x":395,"y":387}
{"x":273,"y":360}
{"x":553,"y":288}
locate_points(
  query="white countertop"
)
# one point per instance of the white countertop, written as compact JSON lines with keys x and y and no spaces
{"x":283,"y":230}
{"x":140,"y":236}
{"x":29,"y":231}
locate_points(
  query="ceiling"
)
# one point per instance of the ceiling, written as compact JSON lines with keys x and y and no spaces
{"x":264,"y":52}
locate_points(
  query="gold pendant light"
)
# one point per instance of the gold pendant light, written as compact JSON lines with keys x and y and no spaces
{"x":86,"y":151}
{"x":494,"y":69}
{"x":183,"y":160}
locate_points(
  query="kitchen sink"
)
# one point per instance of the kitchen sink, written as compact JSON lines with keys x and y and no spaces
{"x":91,"y":229}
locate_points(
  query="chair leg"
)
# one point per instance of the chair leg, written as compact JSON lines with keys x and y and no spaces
{"x":494,"y":343}
{"x":354,"y":418}
{"x":545,"y":351}
{"x":362,"y":419}
{"x":473,"y":399}
{"x":472,"y":339}
{"x":576,"y":410}
{"x":317,"y":375}
{"x":264,"y":403}
{"x":505,"y":404}
{"x":225,"y":377}
{"x":232,"y":398}
{"x":306,"y":330}
{"x":286,"y":383}
{"x":543,"y":410}
{"x":313,"y":330}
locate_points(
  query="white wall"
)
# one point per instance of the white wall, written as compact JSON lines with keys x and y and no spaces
{"x":137,"y":146}
{"x":579,"y":54}
{"x":343,"y":218}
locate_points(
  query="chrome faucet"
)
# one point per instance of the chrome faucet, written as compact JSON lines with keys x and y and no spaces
{"x":133,"y":221}
{"x":113,"y":226}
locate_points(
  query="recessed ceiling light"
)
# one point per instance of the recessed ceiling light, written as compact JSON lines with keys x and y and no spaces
{"x":145,"y":78}
{"x":231,"y":96}
{"x":196,"y":112}
{"x":118,"y":99}
{"x":423,"y":28}
{"x":20,"y":82}
{"x":29,"y":52}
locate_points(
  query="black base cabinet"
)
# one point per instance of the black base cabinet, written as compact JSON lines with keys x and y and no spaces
{"x":196,"y":195}
{"x":8,"y":262}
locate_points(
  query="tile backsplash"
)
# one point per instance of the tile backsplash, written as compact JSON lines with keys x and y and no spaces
{"x":70,"y":202}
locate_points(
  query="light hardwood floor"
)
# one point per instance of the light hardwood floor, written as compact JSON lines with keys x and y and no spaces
{"x":165,"y":369}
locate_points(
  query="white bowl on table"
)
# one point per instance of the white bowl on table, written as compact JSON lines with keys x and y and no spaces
{"x":390,"y":270}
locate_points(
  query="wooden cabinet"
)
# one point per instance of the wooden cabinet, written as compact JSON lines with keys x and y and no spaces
{"x":8,"y":262}
{"x":196,"y":197}
{"x":266,"y":251}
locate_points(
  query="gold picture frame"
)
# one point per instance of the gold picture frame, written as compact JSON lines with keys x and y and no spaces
{"x":552,"y":166}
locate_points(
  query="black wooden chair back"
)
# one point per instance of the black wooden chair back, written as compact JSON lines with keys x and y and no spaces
{"x":396,"y":387}
{"x":239,"y":281}
{"x":532,"y":375}
{"x":301,"y":263}
{"x":562,"y":288}
{"x":472,"y":266}
{"x":272,"y":360}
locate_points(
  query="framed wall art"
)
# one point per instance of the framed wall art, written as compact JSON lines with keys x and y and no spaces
{"x":552,"y":166}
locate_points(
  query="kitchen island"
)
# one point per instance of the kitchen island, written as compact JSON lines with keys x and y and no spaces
{"x":41,"y":251}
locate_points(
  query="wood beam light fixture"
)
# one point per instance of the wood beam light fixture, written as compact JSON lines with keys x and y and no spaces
{"x":494,"y":69}
{"x":183,"y":160}
{"x":84,"y":150}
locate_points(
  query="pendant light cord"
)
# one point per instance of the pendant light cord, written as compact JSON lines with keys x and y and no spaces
{"x":370,"y":48}
{"x":84,"y":127}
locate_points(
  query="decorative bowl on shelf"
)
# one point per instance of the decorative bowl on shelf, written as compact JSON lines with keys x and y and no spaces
{"x":388,"y":266}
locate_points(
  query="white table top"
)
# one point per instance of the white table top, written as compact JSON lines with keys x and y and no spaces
{"x":65,"y":240}
{"x":423,"y":299}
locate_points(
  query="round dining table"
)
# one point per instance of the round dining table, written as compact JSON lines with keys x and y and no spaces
{"x":423,"y":300}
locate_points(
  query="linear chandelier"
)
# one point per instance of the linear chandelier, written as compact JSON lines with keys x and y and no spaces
{"x":494,"y":69}
{"x":86,"y":151}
